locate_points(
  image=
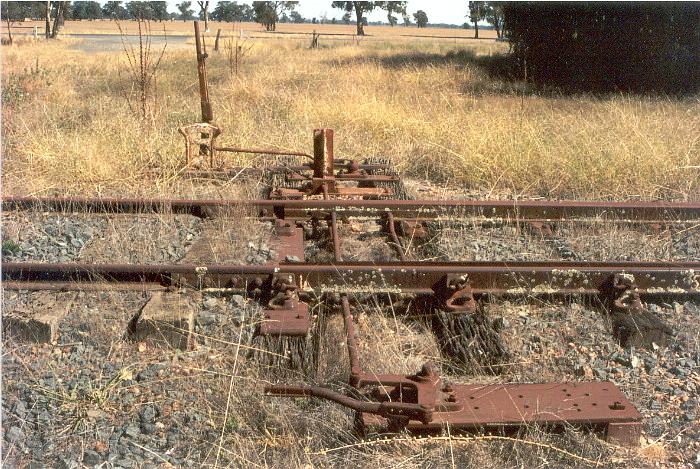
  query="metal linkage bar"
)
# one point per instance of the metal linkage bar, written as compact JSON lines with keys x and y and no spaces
{"x":257,"y":172}
{"x":414,"y":210}
{"x":391,"y":228}
{"x":263,"y":151}
{"x":353,"y":354}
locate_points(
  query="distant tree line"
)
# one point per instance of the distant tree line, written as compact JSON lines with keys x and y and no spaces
{"x":607,"y":46}
{"x":267,"y":14}
{"x":87,"y":10}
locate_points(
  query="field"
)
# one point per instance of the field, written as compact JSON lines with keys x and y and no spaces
{"x":431,"y":107}
{"x":448,"y":115}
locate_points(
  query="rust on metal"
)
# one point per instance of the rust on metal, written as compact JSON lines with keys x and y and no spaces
{"x":197,"y":136}
{"x":403,"y":210}
{"x":353,"y":354}
{"x":633,"y":324}
{"x":323,"y":153}
{"x":422,"y":402}
{"x":291,"y":318}
{"x":261,"y":151}
{"x":391,"y":228}
{"x":462,"y":299}
{"x":511,"y":406}
{"x":496,"y":278}
{"x":285,"y":314}
{"x":336,"y":238}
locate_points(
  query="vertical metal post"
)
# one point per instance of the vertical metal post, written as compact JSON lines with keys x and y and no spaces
{"x":207,"y":113}
{"x":323,"y":153}
{"x":353,"y":354}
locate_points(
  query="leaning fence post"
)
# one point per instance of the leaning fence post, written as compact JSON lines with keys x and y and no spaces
{"x":216,"y":42}
{"x":207,"y":113}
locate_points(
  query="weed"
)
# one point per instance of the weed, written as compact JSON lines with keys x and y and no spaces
{"x":9,"y":247}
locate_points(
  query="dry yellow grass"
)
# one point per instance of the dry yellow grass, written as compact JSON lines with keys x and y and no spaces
{"x":431,"y":108}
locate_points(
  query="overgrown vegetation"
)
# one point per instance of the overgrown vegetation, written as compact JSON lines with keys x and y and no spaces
{"x":430,"y":107}
{"x":143,"y":67}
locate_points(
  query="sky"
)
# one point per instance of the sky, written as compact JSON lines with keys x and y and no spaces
{"x":449,"y":11}
{"x":438,"y":11}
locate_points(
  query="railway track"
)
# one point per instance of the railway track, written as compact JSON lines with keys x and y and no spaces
{"x":315,"y":206}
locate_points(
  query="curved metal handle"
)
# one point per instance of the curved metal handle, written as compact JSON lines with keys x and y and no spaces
{"x":404,"y":410}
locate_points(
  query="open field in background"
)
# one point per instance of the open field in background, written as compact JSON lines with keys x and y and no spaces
{"x":433,"y":108}
{"x":185,"y":28}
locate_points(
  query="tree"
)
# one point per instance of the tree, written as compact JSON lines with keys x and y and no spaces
{"x":59,"y":15}
{"x":204,"y":14}
{"x":360,"y":9}
{"x":406,"y":19}
{"x":186,"y":13}
{"x":159,"y":11}
{"x":421,"y":18}
{"x":607,"y":46}
{"x":232,"y":12}
{"x":268,"y":13}
{"x":84,"y":11}
{"x":346,"y":18}
{"x":47,"y":20}
{"x":18,"y":11}
{"x":494,"y":15}
{"x":394,"y":7}
{"x":477,"y":11}
{"x":114,"y":11}
{"x":11,"y":12}
{"x":148,"y":11}
{"x":296,"y":17}
{"x":265,"y":14}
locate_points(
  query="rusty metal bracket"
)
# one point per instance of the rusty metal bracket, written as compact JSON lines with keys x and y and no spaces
{"x":324,"y":180}
{"x":291,"y":319}
{"x":453,"y":293}
{"x":503,"y":408}
{"x":632,"y":323}
{"x":285,"y":314}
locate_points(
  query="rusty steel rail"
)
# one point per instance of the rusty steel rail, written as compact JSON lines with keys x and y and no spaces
{"x":498,"y":278}
{"x":540,"y":210}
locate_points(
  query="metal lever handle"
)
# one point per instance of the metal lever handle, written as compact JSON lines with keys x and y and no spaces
{"x":403,"y":410}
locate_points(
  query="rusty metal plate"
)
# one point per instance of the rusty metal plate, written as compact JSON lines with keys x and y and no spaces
{"x":509,"y":405}
{"x":288,"y":246}
{"x":287,"y":322}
